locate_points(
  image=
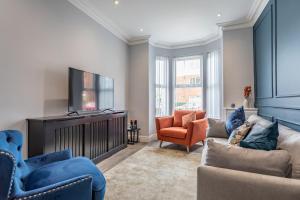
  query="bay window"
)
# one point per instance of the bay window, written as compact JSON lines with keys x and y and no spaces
{"x":189,"y":85}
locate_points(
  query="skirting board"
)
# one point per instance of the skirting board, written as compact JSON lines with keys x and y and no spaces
{"x":144,"y":138}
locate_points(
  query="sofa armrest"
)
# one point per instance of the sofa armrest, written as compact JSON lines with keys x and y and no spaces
{"x":197,"y":130}
{"x":164,"y":122}
{"x":49,"y":158}
{"x":76,"y":189}
{"x":224,"y":184}
{"x":7,"y":173}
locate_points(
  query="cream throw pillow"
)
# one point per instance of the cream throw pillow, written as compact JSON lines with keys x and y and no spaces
{"x":186,"y":119}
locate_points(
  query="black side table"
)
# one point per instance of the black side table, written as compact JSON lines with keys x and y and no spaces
{"x":134,"y":135}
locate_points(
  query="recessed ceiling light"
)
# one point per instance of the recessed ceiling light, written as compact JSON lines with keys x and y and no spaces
{"x":141,"y":30}
{"x":116,"y":2}
{"x":219,"y":15}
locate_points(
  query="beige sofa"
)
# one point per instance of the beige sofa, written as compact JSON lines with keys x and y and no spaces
{"x":225,"y":184}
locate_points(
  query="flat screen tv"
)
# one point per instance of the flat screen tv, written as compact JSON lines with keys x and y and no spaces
{"x":90,"y":92}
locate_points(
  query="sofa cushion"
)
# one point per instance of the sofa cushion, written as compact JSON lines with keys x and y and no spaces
{"x":239,"y":134}
{"x":235,"y":119}
{"x":216,"y":128}
{"x":64,"y":170}
{"x":262,"y":138}
{"x":290,"y":140}
{"x":174,"y":132}
{"x":255,"y":119}
{"x":186,"y":119}
{"x":179,"y":113}
{"x":275,"y":163}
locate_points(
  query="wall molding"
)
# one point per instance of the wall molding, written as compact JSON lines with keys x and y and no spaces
{"x":279,"y":107}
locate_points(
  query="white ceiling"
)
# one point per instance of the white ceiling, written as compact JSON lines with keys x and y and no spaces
{"x":168,"y":22}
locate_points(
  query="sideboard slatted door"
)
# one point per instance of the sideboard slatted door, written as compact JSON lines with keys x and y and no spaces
{"x":61,"y":137}
{"x":96,"y":139}
{"x":94,"y":136}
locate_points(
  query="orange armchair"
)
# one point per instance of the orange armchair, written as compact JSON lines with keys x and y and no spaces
{"x":170,"y":129}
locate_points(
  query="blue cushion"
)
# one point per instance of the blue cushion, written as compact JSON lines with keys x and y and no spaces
{"x":236,"y":119}
{"x":262,"y":138}
{"x":64,"y":170}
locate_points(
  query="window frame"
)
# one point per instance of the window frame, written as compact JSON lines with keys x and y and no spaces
{"x":173,"y":77}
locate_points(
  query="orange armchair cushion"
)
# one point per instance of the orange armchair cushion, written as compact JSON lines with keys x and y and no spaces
{"x":179,"y":113}
{"x":186,"y":119}
{"x":174,"y":132}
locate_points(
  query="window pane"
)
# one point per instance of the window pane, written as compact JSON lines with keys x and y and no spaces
{"x":188,"y":98}
{"x":161,"y":101}
{"x":188,"y":83}
{"x":162,"y":86}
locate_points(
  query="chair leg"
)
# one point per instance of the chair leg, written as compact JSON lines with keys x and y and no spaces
{"x":160,"y":144}
{"x":203,"y":142}
{"x":188,"y":149}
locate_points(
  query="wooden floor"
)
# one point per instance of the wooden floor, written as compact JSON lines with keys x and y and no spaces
{"x":112,"y":161}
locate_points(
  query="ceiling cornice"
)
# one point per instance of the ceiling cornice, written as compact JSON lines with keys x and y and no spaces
{"x":256,"y":9}
{"x":254,"y":12}
{"x":139,"y":40}
{"x":187,"y":44}
{"x":88,"y":9}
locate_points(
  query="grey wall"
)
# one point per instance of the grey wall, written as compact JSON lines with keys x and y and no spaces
{"x":152,"y":63}
{"x":139,"y":86}
{"x":238,"y":70}
{"x":39,"y":40}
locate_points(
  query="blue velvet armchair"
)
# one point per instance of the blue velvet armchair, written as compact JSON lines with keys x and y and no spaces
{"x":55,"y":176}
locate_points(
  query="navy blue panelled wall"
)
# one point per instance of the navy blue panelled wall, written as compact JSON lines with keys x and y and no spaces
{"x":277,"y":62}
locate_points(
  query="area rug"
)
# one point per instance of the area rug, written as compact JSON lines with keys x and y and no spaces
{"x":154,"y":174}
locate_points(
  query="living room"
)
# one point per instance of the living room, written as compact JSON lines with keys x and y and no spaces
{"x":146,"y":100}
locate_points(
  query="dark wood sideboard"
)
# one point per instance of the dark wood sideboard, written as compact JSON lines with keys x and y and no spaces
{"x":96,"y":136}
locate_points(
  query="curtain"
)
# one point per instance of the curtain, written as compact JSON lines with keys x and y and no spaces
{"x":213,"y":97}
{"x":162,"y":86}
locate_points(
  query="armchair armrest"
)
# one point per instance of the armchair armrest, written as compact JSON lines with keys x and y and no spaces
{"x":7,"y":169}
{"x":164,"y":122}
{"x":49,"y":158}
{"x":76,"y":189}
{"x":225,"y":184}
{"x":197,"y":130}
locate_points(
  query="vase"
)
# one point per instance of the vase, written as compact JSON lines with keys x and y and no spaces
{"x":246,"y":103}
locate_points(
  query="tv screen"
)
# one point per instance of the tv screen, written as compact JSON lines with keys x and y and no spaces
{"x":90,"y":92}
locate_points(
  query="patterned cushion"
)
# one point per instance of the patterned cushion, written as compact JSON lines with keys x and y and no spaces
{"x":262,"y":138}
{"x":186,"y":119}
{"x":239,"y":134}
{"x":236,"y":119}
